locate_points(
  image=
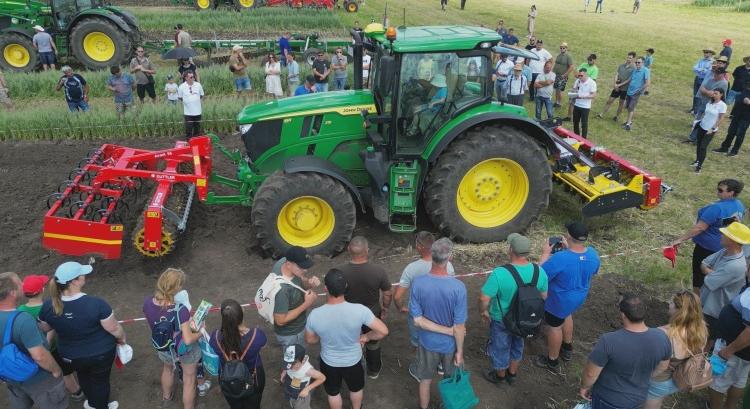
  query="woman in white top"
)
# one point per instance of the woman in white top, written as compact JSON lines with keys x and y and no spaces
{"x":532,"y":20}
{"x":273,"y":77}
{"x":709,"y":125}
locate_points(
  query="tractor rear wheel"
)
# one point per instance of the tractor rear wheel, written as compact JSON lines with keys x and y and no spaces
{"x":201,"y":5}
{"x":303,"y":209}
{"x":244,"y":4}
{"x":98,"y":43}
{"x":351,"y":6}
{"x":17,"y":53}
{"x":489,"y":183}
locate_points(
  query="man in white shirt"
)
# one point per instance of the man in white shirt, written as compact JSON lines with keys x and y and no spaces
{"x":537,"y":67}
{"x":516,"y":86}
{"x":543,"y":88}
{"x":585,"y":90}
{"x":503,"y":69}
{"x":191,"y":93}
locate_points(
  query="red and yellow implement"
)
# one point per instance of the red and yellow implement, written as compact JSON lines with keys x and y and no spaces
{"x":86,"y":213}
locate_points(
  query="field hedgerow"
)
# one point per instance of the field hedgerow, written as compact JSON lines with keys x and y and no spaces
{"x":740,"y":5}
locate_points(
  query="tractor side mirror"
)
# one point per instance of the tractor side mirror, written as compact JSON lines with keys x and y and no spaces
{"x":386,"y":73}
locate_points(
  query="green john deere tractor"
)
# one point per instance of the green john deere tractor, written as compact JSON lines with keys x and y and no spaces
{"x":425,"y":131}
{"x":96,"y":35}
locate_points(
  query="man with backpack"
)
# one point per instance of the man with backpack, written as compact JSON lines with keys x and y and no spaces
{"x":438,"y":307}
{"x":26,"y":365}
{"x":569,"y":271}
{"x":512,"y":301}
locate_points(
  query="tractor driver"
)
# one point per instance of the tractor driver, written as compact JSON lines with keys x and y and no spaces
{"x":423,"y":114}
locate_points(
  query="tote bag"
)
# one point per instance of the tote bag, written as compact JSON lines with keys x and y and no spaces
{"x":457,"y":392}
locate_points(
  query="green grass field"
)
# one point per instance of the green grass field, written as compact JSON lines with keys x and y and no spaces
{"x":677,"y":30}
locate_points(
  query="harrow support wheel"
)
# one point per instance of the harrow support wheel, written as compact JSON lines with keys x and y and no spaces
{"x":167,"y":242}
{"x":488,"y":184}
{"x":17,"y":53}
{"x":303,"y":209}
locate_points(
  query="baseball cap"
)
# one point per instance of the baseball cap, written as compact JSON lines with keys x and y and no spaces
{"x":33,"y":284}
{"x":237,"y":48}
{"x":578,"y":231}
{"x":293,"y":353}
{"x":38,"y":28}
{"x":71,"y":270}
{"x":520,"y":244}
{"x":298,"y":255}
{"x":727,"y":42}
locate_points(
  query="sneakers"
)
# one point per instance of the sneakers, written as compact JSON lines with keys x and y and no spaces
{"x":694,"y":164}
{"x":373,"y":375}
{"x":413,"y":371}
{"x":566,"y":354}
{"x":627,"y":126}
{"x":204,"y":387}
{"x":614,"y":118}
{"x":544,"y":362}
{"x":600,"y":116}
{"x":731,"y":153}
{"x":567,"y":118}
{"x":78,"y":396}
{"x":698,"y":169}
{"x":556,"y":105}
{"x":110,"y":405}
{"x":720,"y":150}
{"x":491,"y":376}
{"x":440,"y":369}
{"x":510,"y":378}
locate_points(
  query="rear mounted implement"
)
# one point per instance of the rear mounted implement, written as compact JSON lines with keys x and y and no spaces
{"x":87,"y":211}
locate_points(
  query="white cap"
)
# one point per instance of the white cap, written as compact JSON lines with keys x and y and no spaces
{"x":237,"y":48}
{"x":38,"y":28}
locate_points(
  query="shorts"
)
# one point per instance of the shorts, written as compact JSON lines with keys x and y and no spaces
{"x":286,"y":340}
{"x":66,"y":369}
{"x":734,"y":376}
{"x":242,"y":84}
{"x":560,"y":83}
{"x":48,"y":393}
{"x":503,"y":347}
{"x":660,"y":389}
{"x":121,"y":107}
{"x":47,"y":58}
{"x":300,"y":403}
{"x":81,"y":105}
{"x":428,"y":363}
{"x":193,"y":356}
{"x":142,"y":89}
{"x":713,"y":327}
{"x":354,"y":376}
{"x":631,"y":101}
{"x":618,"y":94}
{"x":553,"y":320}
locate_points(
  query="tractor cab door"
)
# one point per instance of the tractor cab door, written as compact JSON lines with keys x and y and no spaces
{"x":433,"y":88}
{"x":65,"y":10}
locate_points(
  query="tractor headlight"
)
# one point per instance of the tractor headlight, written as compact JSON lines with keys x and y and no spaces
{"x":485,"y":45}
{"x":245,"y":128}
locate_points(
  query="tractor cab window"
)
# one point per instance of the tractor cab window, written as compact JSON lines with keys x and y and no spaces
{"x":65,"y":10}
{"x":432,"y":88}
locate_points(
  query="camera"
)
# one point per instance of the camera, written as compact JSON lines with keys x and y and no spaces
{"x":556,"y":242}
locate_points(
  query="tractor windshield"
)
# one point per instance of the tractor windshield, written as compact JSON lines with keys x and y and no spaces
{"x":65,"y":10}
{"x":432,"y":88}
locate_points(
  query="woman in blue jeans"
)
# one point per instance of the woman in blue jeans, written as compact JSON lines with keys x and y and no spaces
{"x":87,"y":332}
{"x":688,"y":334}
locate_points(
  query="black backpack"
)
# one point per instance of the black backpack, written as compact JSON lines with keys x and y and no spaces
{"x":526,"y":311}
{"x":164,"y":332}
{"x":235,"y":378}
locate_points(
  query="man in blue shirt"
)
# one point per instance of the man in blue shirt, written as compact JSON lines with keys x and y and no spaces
{"x":569,"y":272}
{"x":307,"y":88}
{"x":639,"y":82}
{"x":284,"y":48}
{"x":509,"y":38}
{"x":438,"y":305}
{"x":701,"y":69}
{"x":705,"y":232}
{"x":45,"y":389}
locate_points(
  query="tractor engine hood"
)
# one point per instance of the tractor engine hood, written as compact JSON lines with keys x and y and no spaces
{"x":342,"y":102}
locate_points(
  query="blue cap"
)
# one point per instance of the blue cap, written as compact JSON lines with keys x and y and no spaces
{"x":71,"y":270}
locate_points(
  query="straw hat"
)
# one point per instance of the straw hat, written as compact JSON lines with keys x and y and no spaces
{"x":746,"y":59}
{"x":737,"y":232}
{"x":708,"y":50}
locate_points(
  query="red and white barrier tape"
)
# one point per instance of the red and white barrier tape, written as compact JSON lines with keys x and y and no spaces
{"x":478,"y":273}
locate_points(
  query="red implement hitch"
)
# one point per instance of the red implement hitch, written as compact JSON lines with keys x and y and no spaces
{"x":86,"y":213}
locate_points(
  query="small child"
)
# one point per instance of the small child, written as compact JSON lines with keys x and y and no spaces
{"x":171,"y":90}
{"x":296,"y":377}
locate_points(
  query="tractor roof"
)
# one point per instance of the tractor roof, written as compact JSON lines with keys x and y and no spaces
{"x":438,"y":38}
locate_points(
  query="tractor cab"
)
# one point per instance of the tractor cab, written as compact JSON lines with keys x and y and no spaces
{"x":64,"y":11}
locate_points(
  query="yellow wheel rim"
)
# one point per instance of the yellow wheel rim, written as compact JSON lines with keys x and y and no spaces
{"x":351,"y":7}
{"x":247,"y":3}
{"x":98,"y":46}
{"x":492,"y":192}
{"x":306,"y":221}
{"x":167,"y":244}
{"x":16,"y":55}
{"x":203,"y":4}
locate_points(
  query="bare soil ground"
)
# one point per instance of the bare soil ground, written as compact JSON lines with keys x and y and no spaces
{"x":218,"y":252}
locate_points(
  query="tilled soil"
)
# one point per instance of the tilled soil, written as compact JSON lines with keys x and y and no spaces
{"x":219,"y":254}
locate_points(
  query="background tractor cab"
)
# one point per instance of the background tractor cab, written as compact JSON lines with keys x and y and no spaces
{"x":97,"y":35}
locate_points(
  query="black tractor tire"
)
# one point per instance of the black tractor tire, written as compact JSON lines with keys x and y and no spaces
{"x":351,"y":6}
{"x":121,"y":40}
{"x":281,"y":188}
{"x":310,"y":55}
{"x":473,"y":147}
{"x":8,"y":43}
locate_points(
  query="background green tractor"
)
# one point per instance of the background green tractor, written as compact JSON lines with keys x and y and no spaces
{"x":96,"y":35}
{"x":202,"y":5}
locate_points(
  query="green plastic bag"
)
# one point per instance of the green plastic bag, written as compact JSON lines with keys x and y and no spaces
{"x":457,"y":392}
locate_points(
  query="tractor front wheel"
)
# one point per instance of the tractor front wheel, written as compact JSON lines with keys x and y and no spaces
{"x":489,"y":183}
{"x":303,"y":209}
{"x":98,"y":43}
{"x":17,"y":53}
{"x":201,"y":5}
{"x":244,"y":4}
{"x":351,"y":6}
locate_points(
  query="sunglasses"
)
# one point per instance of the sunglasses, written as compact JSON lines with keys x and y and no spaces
{"x":639,"y":62}
{"x":579,"y":76}
{"x":339,"y":52}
